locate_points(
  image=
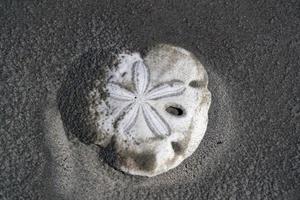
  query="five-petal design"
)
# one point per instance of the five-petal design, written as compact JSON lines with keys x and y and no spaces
{"x":139,"y":100}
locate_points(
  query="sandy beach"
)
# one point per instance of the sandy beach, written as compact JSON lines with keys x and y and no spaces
{"x":251,"y":54}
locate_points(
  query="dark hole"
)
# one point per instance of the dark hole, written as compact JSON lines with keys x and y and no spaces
{"x":196,"y":84}
{"x":176,"y":147}
{"x":173,"y":110}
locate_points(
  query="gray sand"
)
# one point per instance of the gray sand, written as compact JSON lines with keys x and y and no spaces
{"x":251,"y":53}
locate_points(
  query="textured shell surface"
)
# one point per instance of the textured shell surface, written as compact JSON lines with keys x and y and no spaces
{"x":156,"y":109}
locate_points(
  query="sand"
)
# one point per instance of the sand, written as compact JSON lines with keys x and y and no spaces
{"x":250,"y":51}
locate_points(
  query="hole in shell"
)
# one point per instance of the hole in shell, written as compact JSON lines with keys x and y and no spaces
{"x":176,"y":147}
{"x":196,"y":84}
{"x":175,"y":110}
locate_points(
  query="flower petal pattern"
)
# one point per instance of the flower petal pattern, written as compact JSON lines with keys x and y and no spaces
{"x":125,"y":115}
{"x":167,"y":89}
{"x":128,"y":118}
{"x":154,"y":121}
{"x":118,"y":92}
{"x":118,"y":111}
{"x":140,"y":75}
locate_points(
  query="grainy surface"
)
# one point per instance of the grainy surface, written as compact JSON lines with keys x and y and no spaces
{"x":250,"y":50}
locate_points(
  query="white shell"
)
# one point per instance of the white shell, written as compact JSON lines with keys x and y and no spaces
{"x":156,"y":110}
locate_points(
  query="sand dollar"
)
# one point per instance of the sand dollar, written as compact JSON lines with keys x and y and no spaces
{"x":154,"y":111}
